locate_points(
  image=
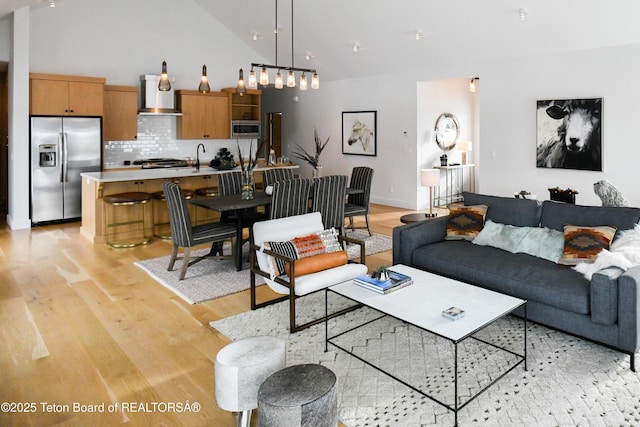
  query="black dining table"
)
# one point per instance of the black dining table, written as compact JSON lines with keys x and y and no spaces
{"x":231,"y":203}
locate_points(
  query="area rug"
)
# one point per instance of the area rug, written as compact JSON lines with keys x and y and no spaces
{"x":214,"y":278}
{"x":569,"y":381}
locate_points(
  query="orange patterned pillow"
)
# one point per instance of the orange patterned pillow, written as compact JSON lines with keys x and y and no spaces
{"x":465,"y":222}
{"x":583,"y":244}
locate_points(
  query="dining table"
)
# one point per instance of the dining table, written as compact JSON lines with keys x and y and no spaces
{"x":231,"y":203}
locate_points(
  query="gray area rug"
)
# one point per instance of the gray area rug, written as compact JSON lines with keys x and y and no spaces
{"x":569,"y":381}
{"x":214,"y":277}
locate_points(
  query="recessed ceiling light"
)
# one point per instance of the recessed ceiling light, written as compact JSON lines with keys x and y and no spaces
{"x":356,"y":47}
{"x":419,"y":35}
{"x":255,"y":36}
{"x":522,"y":14}
{"x":52,"y":3}
{"x":308,"y":56}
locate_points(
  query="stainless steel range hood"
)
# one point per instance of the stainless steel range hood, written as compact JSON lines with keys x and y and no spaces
{"x":156,"y":102}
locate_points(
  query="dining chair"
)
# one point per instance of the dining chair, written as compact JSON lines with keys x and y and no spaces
{"x":185,"y":235}
{"x":329,"y":193}
{"x":290,"y":197}
{"x":358,"y":204}
{"x":276,"y":174}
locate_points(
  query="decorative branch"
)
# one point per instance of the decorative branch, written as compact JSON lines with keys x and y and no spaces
{"x":302,"y":154}
{"x":252,"y":161}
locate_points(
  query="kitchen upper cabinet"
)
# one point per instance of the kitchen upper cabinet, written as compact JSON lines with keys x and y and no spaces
{"x":245,"y":107}
{"x":60,"y":95}
{"x":204,"y":115}
{"x":120,"y":122}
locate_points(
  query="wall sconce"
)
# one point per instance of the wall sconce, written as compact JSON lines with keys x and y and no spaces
{"x":430,"y":178}
{"x":464,"y":147}
{"x":472,"y":84}
{"x":164,"y":84}
{"x":240,"y":88}
{"x":204,"y":82}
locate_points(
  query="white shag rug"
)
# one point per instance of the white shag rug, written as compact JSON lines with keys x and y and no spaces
{"x":213,"y":278}
{"x":569,"y":381}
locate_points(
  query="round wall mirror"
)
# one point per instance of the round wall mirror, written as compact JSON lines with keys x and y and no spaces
{"x":447,"y":131}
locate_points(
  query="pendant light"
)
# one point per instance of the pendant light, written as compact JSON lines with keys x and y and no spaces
{"x":315,"y":81}
{"x":241,"y":89}
{"x":303,"y":81}
{"x":164,"y":85}
{"x":253,"y":82}
{"x":291,"y":79}
{"x":264,"y":77}
{"x":204,"y":82}
{"x":278,"y":82}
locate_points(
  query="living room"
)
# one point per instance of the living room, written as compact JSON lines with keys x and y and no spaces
{"x":121,"y":40}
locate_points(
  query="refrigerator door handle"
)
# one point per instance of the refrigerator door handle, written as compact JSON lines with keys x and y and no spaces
{"x":65,"y":166}
{"x":60,"y":154}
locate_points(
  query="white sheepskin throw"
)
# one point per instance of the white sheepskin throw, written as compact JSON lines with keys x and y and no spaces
{"x":624,"y":253}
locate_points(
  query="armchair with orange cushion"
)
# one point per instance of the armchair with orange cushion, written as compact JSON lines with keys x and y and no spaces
{"x":296,"y":257}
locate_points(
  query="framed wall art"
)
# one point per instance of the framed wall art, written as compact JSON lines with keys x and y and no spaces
{"x":359,"y":133}
{"x":569,"y":134}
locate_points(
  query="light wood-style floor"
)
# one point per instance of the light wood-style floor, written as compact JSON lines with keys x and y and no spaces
{"x":81,"y":325}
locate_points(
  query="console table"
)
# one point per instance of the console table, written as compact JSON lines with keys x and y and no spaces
{"x":453,"y":178}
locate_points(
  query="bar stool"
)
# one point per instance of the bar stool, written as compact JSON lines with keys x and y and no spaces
{"x":159,"y":197}
{"x":136,"y":199}
{"x":206,"y":192}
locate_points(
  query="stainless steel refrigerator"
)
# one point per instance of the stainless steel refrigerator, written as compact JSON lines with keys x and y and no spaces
{"x":61,"y":149}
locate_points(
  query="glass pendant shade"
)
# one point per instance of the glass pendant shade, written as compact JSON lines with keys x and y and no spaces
{"x":253,"y":83}
{"x":291,"y":79}
{"x":241,"y":89}
{"x":278,"y":83}
{"x":264,"y":77}
{"x":204,"y":82}
{"x":164,"y":84}
{"x":315,"y":81}
{"x":303,"y":82}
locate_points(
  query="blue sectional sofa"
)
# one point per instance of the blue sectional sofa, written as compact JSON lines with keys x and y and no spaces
{"x":605,"y":310}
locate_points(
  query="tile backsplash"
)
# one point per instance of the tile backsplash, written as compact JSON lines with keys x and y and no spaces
{"x":157,"y":139}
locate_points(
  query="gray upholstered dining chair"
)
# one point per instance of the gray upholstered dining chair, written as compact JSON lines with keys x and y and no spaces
{"x":290,"y":197}
{"x":358,"y":204}
{"x":184,"y":234}
{"x":276,"y":174}
{"x":329,"y":194}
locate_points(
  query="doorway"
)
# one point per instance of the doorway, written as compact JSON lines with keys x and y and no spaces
{"x":274,"y":133}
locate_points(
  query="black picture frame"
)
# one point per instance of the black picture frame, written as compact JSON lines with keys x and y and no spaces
{"x":359,"y":133}
{"x":569,"y":134}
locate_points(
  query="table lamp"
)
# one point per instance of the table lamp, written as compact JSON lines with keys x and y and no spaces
{"x":464,"y":147}
{"x":430,"y":178}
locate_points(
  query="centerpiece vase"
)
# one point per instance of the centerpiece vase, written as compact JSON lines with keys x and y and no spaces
{"x":317,"y":171}
{"x":247,"y":185}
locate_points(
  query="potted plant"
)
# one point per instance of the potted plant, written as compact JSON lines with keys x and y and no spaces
{"x":381,"y":273}
{"x":247,"y":169}
{"x":443,"y":160}
{"x":312,"y":159}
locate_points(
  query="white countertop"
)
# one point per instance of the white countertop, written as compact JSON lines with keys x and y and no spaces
{"x":163,"y":173}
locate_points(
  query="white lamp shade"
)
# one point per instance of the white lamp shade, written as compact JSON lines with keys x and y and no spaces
{"x":464,"y":146}
{"x":430,"y":177}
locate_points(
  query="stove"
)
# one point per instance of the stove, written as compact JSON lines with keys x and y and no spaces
{"x":161,"y":163}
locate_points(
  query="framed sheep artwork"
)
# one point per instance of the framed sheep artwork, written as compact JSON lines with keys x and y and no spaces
{"x":569,"y":134}
{"x":359,"y":133}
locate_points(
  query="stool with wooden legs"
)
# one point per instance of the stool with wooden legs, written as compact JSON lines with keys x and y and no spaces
{"x":134,"y":226}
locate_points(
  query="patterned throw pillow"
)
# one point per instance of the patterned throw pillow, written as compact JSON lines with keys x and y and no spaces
{"x":465,"y":222}
{"x":301,"y":247}
{"x":583,"y":244}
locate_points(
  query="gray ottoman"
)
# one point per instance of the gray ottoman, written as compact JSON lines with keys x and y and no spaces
{"x":300,"y":395}
{"x":241,"y":367}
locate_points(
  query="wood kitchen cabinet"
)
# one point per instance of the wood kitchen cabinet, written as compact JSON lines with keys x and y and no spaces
{"x":204,"y":115}
{"x":246,"y":107}
{"x":120,"y":122}
{"x":60,"y":95}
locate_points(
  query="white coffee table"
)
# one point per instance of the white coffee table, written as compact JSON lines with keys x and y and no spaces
{"x":421,"y":305}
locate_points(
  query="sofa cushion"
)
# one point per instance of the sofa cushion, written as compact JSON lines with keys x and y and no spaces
{"x":465,"y":222}
{"x":519,"y":275}
{"x":556,"y":215}
{"x":604,"y":296}
{"x":583,"y":244}
{"x":507,"y":210}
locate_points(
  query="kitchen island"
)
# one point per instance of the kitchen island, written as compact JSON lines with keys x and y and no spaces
{"x":96,"y":185}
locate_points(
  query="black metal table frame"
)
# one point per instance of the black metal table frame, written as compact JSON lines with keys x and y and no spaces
{"x":456,"y":407}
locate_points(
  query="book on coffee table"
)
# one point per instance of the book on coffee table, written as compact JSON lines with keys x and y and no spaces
{"x":396,"y":281}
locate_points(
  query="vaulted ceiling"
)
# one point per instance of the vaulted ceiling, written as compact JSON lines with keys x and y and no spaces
{"x":452,"y":31}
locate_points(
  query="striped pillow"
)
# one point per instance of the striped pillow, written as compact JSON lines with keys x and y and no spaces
{"x":583,"y":244}
{"x":301,"y":247}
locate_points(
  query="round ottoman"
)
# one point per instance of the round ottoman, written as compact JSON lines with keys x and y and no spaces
{"x":300,"y":395}
{"x":241,"y":367}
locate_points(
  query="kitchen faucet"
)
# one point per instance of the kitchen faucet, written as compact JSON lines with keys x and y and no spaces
{"x":198,"y":155}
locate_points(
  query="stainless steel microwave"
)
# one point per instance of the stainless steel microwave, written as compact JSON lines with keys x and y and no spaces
{"x":245,"y":128}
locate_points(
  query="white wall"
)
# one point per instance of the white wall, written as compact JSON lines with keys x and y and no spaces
{"x":5,"y":38}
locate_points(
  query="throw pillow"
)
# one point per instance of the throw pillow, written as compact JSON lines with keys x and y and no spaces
{"x":316,"y":263}
{"x":583,"y":244}
{"x":301,"y":247}
{"x":465,"y":222}
{"x":501,"y":236}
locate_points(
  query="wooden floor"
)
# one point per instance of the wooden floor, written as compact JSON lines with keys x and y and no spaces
{"x":81,"y":325}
